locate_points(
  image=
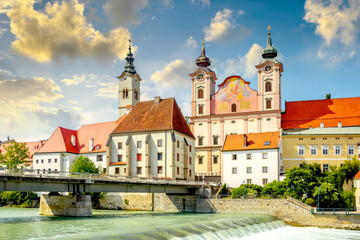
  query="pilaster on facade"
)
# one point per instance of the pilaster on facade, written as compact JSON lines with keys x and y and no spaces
{"x":128,"y":157}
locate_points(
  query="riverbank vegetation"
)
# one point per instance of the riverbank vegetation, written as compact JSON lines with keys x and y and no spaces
{"x":310,"y":185}
{"x":18,"y":199}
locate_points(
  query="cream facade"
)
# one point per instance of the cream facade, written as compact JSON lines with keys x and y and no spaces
{"x":326,"y":146}
{"x":158,"y":154}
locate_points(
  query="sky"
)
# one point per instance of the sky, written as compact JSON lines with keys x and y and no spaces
{"x":59,"y":59}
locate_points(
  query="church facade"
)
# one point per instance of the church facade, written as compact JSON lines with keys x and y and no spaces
{"x":235,"y":108}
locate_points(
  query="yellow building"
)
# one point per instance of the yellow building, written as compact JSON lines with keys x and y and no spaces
{"x":326,"y":146}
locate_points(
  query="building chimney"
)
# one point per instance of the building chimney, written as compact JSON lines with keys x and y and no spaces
{"x":91,"y":144}
{"x":339,"y":124}
{"x":245,"y":140}
{"x":157,"y":99}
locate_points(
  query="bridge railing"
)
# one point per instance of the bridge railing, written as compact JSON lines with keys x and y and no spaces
{"x":89,"y":177}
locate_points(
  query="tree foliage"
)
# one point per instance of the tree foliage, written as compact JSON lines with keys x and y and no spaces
{"x":14,"y":156}
{"x":274,"y":188}
{"x":21,"y":199}
{"x":84,"y":165}
{"x":246,"y":189}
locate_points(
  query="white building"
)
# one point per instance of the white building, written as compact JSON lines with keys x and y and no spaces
{"x":153,"y":140}
{"x":251,"y":158}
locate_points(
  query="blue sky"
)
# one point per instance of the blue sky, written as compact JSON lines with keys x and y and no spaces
{"x":59,"y":59}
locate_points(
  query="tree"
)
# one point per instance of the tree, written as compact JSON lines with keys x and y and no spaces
{"x":274,"y":188}
{"x":84,"y":165}
{"x":328,"y":96}
{"x":14,"y":156}
{"x":329,"y":196}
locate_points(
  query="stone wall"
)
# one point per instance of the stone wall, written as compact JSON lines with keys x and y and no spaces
{"x":128,"y":201}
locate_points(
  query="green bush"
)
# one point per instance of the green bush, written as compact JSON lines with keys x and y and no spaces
{"x":348,"y":199}
{"x":22,"y":199}
{"x":310,"y":201}
{"x":274,"y":188}
{"x":240,"y":191}
{"x":223,"y":190}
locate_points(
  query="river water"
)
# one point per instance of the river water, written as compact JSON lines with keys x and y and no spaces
{"x":19,"y":223}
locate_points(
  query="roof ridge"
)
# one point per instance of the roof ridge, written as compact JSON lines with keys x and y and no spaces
{"x":322,"y":99}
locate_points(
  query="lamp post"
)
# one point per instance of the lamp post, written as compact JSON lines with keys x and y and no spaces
{"x":318,"y":205}
{"x":244,"y":188}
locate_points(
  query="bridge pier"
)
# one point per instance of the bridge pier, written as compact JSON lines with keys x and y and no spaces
{"x":69,"y":206}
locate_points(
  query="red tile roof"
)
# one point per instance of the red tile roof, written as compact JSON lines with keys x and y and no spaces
{"x":253,"y":141}
{"x":302,"y":114}
{"x":60,"y":140}
{"x":117,"y":163}
{"x":357,"y":176}
{"x":151,"y":116}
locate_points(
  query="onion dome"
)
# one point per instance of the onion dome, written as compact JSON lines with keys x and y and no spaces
{"x":129,"y":66}
{"x":269,"y":51}
{"x":203,"y":60}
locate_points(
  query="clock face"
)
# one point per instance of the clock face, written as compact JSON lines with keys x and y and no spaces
{"x":268,"y":68}
{"x":200,"y":76}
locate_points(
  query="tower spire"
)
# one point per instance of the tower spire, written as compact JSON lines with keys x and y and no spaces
{"x":129,"y":66}
{"x":269,"y":51}
{"x":203,"y":60}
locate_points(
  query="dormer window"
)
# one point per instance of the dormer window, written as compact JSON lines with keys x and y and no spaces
{"x":73,"y":139}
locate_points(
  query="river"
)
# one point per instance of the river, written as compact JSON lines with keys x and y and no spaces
{"x":20,"y":223}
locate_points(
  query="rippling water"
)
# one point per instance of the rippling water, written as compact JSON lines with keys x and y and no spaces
{"x":17,"y":223}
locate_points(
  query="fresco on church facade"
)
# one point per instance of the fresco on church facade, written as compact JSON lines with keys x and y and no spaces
{"x":235,"y":90}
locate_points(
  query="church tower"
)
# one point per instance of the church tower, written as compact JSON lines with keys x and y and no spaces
{"x":269,"y":78}
{"x":202,"y":86}
{"x":129,"y":85}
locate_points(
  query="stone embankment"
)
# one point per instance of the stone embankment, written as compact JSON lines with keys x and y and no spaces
{"x":291,"y":211}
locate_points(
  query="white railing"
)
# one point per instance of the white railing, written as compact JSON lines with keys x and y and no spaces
{"x":90,"y":177}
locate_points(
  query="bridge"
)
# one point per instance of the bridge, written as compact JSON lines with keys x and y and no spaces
{"x":77,"y":204}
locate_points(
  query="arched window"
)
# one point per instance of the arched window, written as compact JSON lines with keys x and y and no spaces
{"x":200,"y":93}
{"x":268,"y":87}
{"x":268,"y":104}
{"x":125,"y":93}
{"x":233,"y":107}
{"x":136,"y":94}
{"x":201,"y":109}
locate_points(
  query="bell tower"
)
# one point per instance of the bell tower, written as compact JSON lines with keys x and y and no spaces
{"x":269,"y":78}
{"x":202,"y":85}
{"x":129,"y":85}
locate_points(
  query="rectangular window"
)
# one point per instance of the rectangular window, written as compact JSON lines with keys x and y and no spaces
{"x":49,"y":171}
{"x":177,"y":157}
{"x":337,"y":149}
{"x":325,"y":149}
{"x":37,"y":160}
{"x":160,"y":156}
{"x":104,"y":170}
{"x":248,"y":170}
{"x":120,"y":145}
{"x":201,"y":109}
{"x":138,"y":144}
{"x":234,"y":157}
{"x":178,"y":144}
{"x":124,"y":170}
{"x":234,"y":170}
{"x":248,"y":156}
{"x":99,"y":158}
{"x":325,"y":167}
{"x":248,"y":181}
{"x":159,"y":170}
{"x":139,"y":156}
{"x":200,"y":141}
{"x":120,"y":158}
{"x":190,"y":173}
{"x":189,"y":160}
{"x":159,"y":143}
{"x":189,"y":148}
{"x":55,"y":160}
{"x":55,"y":169}
{"x":301,"y":150}
{"x":216,"y":140}
{"x":177,"y":170}
{"x":117,"y":170}
{"x":265,"y":181}
{"x":42,"y":160}
{"x":215,"y":160}
{"x":264,"y":155}
{"x":200,"y":160}
{"x":313,"y":149}
{"x":138,"y":170}
{"x":49,"y":161}
{"x":351,"y":149}
{"x":264,"y":169}
{"x":44,"y":171}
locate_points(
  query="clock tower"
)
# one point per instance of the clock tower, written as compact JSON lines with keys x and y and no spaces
{"x":202,"y":86}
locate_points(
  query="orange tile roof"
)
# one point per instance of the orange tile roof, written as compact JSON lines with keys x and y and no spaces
{"x":254,"y":141}
{"x":151,"y":116}
{"x":302,"y":114}
{"x":357,"y":176}
{"x":117,"y":163}
{"x":60,"y":140}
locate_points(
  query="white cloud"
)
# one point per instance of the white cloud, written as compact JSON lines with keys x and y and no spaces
{"x":61,"y":30}
{"x":223,"y":28}
{"x":125,"y":12}
{"x":108,"y":90}
{"x":191,"y":42}
{"x":175,"y":73}
{"x":241,"y":12}
{"x":2,"y":31}
{"x":244,"y":65}
{"x":168,"y":3}
{"x":202,"y":3}
{"x":153,"y":18}
{"x":78,"y":78}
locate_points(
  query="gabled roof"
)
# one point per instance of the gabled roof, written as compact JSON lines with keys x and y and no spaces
{"x":154,"y":116}
{"x":266,"y":140}
{"x":303,"y":114}
{"x":357,"y":176}
{"x":60,"y":140}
